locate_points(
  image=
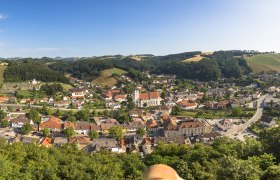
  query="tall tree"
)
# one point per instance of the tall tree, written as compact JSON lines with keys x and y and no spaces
{"x":116,"y":132}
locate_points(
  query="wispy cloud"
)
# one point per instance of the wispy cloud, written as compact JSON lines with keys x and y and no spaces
{"x":2,"y":16}
{"x":45,"y":49}
{"x":4,"y":45}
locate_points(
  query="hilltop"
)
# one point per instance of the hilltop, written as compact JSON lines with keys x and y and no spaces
{"x":264,"y":62}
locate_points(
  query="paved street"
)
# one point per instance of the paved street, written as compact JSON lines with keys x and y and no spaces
{"x":238,"y":131}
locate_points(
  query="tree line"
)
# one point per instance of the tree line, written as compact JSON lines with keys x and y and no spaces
{"x":18,"y":71}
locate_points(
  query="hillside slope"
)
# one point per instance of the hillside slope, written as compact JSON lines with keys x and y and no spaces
{"x":106,"y":77}
{"x":264,"y":62}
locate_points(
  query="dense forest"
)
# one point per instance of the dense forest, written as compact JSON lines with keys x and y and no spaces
{"x":29,"y":69}
{"x":227,"y":159}
{"x":212,"y":67}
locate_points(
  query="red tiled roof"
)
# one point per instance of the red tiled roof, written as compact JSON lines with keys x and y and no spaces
{"x":149,"y":95}
{"x":53,"y":123}
{"x":79,"y":139}
{"x":193,"y":124}
{"x":46,"y":141}
{"x":186,"y":103}
{"x":120,"y":96}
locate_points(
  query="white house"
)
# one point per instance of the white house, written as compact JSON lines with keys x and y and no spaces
{"x":20,"y":121}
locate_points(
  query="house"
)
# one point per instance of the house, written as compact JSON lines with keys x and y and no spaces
{"x":135,"y":113}
{"x":47,"y":142}
{"x":267,"y":121}
{"x":135,"y":124}
{"x":107,"y":96}
{"x":59,"y":141}
{"x":61,"y":104}
{"x":113,"y":105}
{"x":271,"y":102}
{"x":225,"y":124}
{"x":208,"y":137}
{"x":153,"y":125}
{"x":120,"y":97}
{"x":147,"y":145}
{"x":146,"y":99}
{"x":95,"y":127}
{"x":216,"y":92}
{"x":20,"y":121}
{"x":216,"y":105}
{"x":187,"y":104}
{"x":170,"y":103}
{"x":133,"y":142}
{"x":163,"y":109}
{"x":81,"y":141}
{"x":181,"y":95}
{"x":78,"y":93}
{"x":109,"y":144}
{"x":195,"y":127}
{"x":54,"y":124}
{"x":28,"y":140}
{"x":106,"y":127}
{"x":82,"y":127}
{"x":4,"y":99}
{"x":171,"y":129}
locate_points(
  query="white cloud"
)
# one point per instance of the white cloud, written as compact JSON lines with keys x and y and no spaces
{"x":2,"y":17}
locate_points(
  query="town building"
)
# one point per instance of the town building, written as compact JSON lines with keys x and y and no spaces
{"x":146,"y":99}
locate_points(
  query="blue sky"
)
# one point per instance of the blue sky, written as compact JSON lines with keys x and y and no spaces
{"x":36,"y":28}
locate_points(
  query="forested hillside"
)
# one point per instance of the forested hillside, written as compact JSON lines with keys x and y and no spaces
{"x":217,"y":65}
{"x":27,"y":70}
{"x":225,"y":159}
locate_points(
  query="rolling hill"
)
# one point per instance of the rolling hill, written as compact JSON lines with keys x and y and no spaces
{"x":106,"y":78}
{"x":264,"y":62}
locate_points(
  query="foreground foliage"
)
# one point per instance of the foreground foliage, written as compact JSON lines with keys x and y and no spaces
{"x":224,"y":159}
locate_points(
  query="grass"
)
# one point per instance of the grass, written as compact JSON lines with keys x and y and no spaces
{"x":2,"y":69}
{"x":196,"y":58}
{"x":209,"y":114}
{"x":264,"y":62}
{"x":106,"y":78}
{"x":66,"y":86}
{"x":25,"y":93}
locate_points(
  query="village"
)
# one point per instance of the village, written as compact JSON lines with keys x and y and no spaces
{"x":136,"y":117}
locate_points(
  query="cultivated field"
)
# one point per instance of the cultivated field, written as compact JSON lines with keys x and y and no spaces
{"x":264,"y":62}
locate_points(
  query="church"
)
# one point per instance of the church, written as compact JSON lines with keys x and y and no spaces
{"x":146,"y":99}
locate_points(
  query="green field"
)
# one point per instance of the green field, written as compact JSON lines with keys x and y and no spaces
{"x":264,"y":62}
{"x":106,"y":78}
{"x":2,"y":69}
{"x":209,"y":114}
{"x":25,"y":93}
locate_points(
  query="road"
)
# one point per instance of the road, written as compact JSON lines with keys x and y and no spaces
{"x":55,"y":108}
{"x":239,"y":129}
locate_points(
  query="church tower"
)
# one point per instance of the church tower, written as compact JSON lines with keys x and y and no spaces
{"x":136,"y":97}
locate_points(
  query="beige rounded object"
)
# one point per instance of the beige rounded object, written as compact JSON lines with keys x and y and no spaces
{"x":160,"y":172}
